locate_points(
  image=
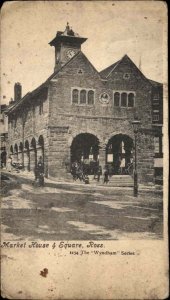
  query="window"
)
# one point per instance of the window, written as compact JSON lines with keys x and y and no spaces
{"x":156,"y":99}
{"x":90,"y":97}
{"x":75,"y":96}
{"x":155,"y":117}
{"x":156,"y":144}
{"x":83,"y":97}
{"x":131,"y":100}
{"x":124,"y":99}
{"x":117,"y":99}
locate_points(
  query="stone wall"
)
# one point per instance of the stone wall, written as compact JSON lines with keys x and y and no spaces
{"x":102,"y":120}
{"x":28,"y":125}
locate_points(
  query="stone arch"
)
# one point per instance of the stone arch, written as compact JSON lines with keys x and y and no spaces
{"x":40,"y":148}
{"x":15,"y":156}
{"x":21,"y":147}
{"x":11,"y":150}
{"x":85,"y":149}
{"x":27,"y":156}
{"x":16,"y":148}
{"x":27,"y":144}
{"x":119,"y":153}
{"x":21,"y":153}
{"x":33,"y":143}
{"x":114,"y":133}
{"x":72,"y":137}
{"x":33,"y":154}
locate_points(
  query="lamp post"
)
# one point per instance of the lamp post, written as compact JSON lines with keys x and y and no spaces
{"x":135,"y":124}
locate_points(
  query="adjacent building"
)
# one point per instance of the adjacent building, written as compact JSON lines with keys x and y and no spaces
{"x":4,"y":134}
{"x":80,"y":114}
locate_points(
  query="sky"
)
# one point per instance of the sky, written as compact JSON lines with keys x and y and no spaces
{"x":113,"y":29}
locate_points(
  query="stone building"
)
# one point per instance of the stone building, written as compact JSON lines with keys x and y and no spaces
{"x":79,"y":113}
{"x":4,"y":134}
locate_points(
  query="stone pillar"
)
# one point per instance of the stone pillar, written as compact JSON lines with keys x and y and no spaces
{"x":102,"y":155}
{"x":40,"y":152}
{"x":33,"y":159}
{"x":20,"y":157}
{"x":145,"y":157}
{"x":27,"y":160}
{"x":15,"y":157}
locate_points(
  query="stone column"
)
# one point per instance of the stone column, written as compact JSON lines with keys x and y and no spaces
{"x":20,"y":157}
{"x":15,"y":157}
{"x":40,"y":152}
{"x":102,"y":155}
{"x":33,"y":159}
{"x":145,"y":157}
{"x":27,"y":160}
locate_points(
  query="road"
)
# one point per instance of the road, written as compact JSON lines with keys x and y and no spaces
{"x":80,"y":213}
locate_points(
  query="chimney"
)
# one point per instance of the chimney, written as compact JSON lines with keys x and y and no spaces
{"x":17,"y":91}
{"x":11,"y":101}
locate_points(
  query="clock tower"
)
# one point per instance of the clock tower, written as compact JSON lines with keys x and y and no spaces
{"x":67,"y":44}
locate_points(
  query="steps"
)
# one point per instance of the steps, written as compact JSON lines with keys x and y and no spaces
{"x":114,"y":181}
{"x":121,"y":181}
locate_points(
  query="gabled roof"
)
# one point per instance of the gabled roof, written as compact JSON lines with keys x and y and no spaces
{"x":108,"y":70}
{"x":155,"y":83}
{"x":44,"y":85}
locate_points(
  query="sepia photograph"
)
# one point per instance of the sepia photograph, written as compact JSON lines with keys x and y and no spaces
{"x":83,"y":126}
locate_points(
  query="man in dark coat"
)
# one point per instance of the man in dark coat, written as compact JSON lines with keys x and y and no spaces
{"x":40,"y":171}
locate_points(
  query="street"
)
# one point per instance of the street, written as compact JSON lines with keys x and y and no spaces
{"x":80,"y":212}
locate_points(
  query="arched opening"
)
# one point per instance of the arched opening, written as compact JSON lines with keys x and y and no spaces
{"x":27,"y":156}
{"x":40,"y":148}
{"x":11,"y":150}
{"x":119,"y":155}
{"x":15,"y":154}
{"x":33,"y":155}
{"x":20,"y":153}
{"x":3,"y":158}
{"x":85,"y":149}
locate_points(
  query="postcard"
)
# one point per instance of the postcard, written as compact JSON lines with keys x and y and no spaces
{"x":84,"y":150}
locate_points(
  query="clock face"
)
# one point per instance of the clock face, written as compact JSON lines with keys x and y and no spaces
{"x":70,"y":53}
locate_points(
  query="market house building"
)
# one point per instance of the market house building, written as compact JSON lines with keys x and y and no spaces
{"x":79,"y":113}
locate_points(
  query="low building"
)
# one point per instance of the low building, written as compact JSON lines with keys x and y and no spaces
{"x":80,"y":114}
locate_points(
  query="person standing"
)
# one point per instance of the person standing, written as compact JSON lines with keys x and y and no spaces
{"x":106,"y":174}
{"x":40,"y":171}
{"x":9,"y":164}
{"x":99,"y":173}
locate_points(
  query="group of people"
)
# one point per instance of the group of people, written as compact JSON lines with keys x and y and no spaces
{"x":80,"y":170}
{"x":38,"y":171}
